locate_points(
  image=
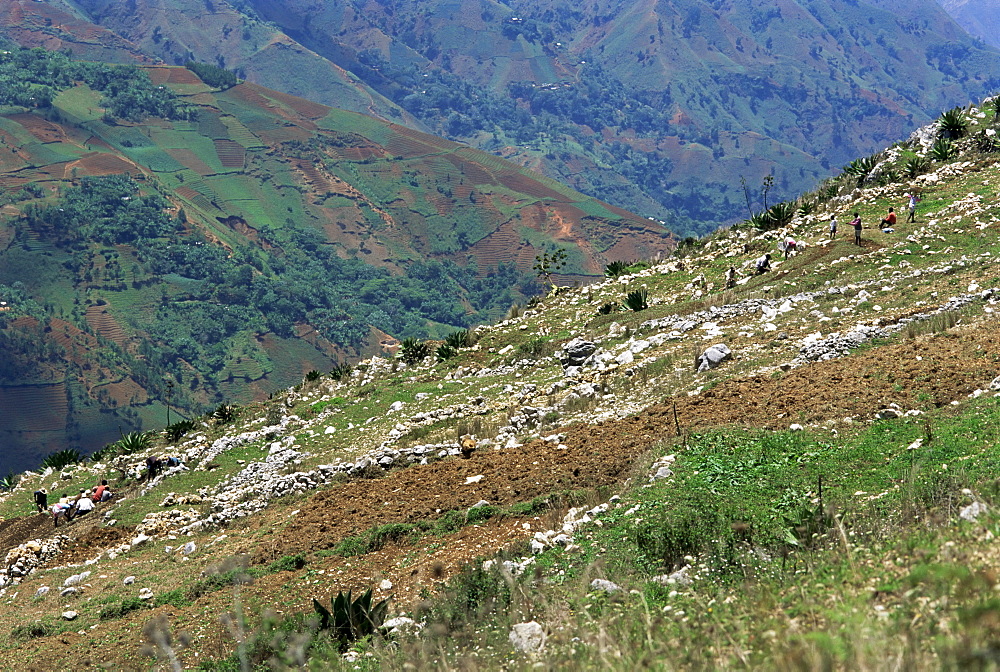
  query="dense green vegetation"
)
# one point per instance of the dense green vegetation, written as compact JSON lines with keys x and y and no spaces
{"x":226,"y":294}
{"x":33,"y":77}
{"x":213,"y":75}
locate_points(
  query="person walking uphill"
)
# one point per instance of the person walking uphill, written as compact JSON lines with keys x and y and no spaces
{"x":41,"y":500}
{"x":856,"y":223}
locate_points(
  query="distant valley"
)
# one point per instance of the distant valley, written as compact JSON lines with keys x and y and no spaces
{"x":659,"y":108}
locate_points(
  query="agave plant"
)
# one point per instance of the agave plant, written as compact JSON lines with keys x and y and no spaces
{"x":780,"y":214}
{"x":862,"y":168}
{"x":758,"y":220}
{"x":10,"y":481}
{"x":341,"y":371}
{"x":445,"y":351}
{"x":616,"y":269}
{"x":350,"y":620}
{"x":807,"y":208}
{"x":952,"y":124}
{"x":225,"y":413}
{"x":175,"y":431}
{"x":985,"y":142}
{"x":62,"y":458}
{"x":915,"y":166}
{"x":638,"y":300}
{"x":459,"y":339}
{"x":134,"y":442}
{"x":608,"y":308}
{"x":413,"y":351}
{"x":888,"y":176}
{"x":942,"y":150}
{"x":312,"y":376}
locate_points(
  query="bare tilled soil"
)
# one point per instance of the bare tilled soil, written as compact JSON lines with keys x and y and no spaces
{"x":424,"y":492}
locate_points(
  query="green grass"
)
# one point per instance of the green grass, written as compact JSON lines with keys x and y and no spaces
{"x":743,"y":513}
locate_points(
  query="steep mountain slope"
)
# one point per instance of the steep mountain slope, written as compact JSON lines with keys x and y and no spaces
{"x":223,"y":254}
{"x":660,"y":108}
{"x":823,"y":497}
{"x":980,"y":18}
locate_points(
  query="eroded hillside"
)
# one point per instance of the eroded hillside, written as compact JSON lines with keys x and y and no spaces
{"x":564,"y":487}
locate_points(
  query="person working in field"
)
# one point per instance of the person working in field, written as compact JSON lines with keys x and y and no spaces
{"x":888,"y":224}
{"x":856,"y":223}
{"x":763,"y":264}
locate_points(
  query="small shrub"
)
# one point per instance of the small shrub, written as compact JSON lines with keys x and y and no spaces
{"x":33,"y":630}
{"x":952,"y":124}
{"x":987,"y":143}
{"x":225,"y":414}
{"x":536,"y":347}
{"x":637,"y":300}
{"x":341,"y":371}
{"x":412,"y":351}
{"x":373,"y":540}
{"x":287,"y":563}
{"x":780,"y":214}
{"x":175,"y":598}
{"x":862,"y":168}
{"x":942,"y":150}
{"x":481,"y":513}
{"x":915,"y":166}
{"x":177,"y":430}
{"x":62,"y":458}
{"x":460,"y":339}
{"x":445,"y":351}
{"x":608,"y":308}
{"x":350,"y":620}
{"x":616,"y":269}
{"x":126,"y":606}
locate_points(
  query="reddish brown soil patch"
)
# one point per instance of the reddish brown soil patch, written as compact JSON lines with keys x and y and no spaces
{"x":189,"y":159}
{"x":42,"y":129}
{"x":424,"y":492}
{"x":90,"y":539}
{"x":104,"y":324}
{"x":165,"y":75}
{"x":16,"y":531}
{"x":102,"y":164}
{"x":951,"y":366}
{"x":231,"y":154}
{"x":126,"y":392}
{"x":306,"y":108}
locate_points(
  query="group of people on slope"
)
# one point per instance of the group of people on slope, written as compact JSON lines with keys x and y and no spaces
{"x":69,"y":507}
{"x":888,"y":225}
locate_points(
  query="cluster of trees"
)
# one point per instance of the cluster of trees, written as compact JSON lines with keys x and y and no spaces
{"x":33,"y":78}
{"x":213,"y":75}
{"x":218,"y":293}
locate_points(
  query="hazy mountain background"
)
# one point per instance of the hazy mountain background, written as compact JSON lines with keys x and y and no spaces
{"x":981,"y":18}
{"x":657,"y":107}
